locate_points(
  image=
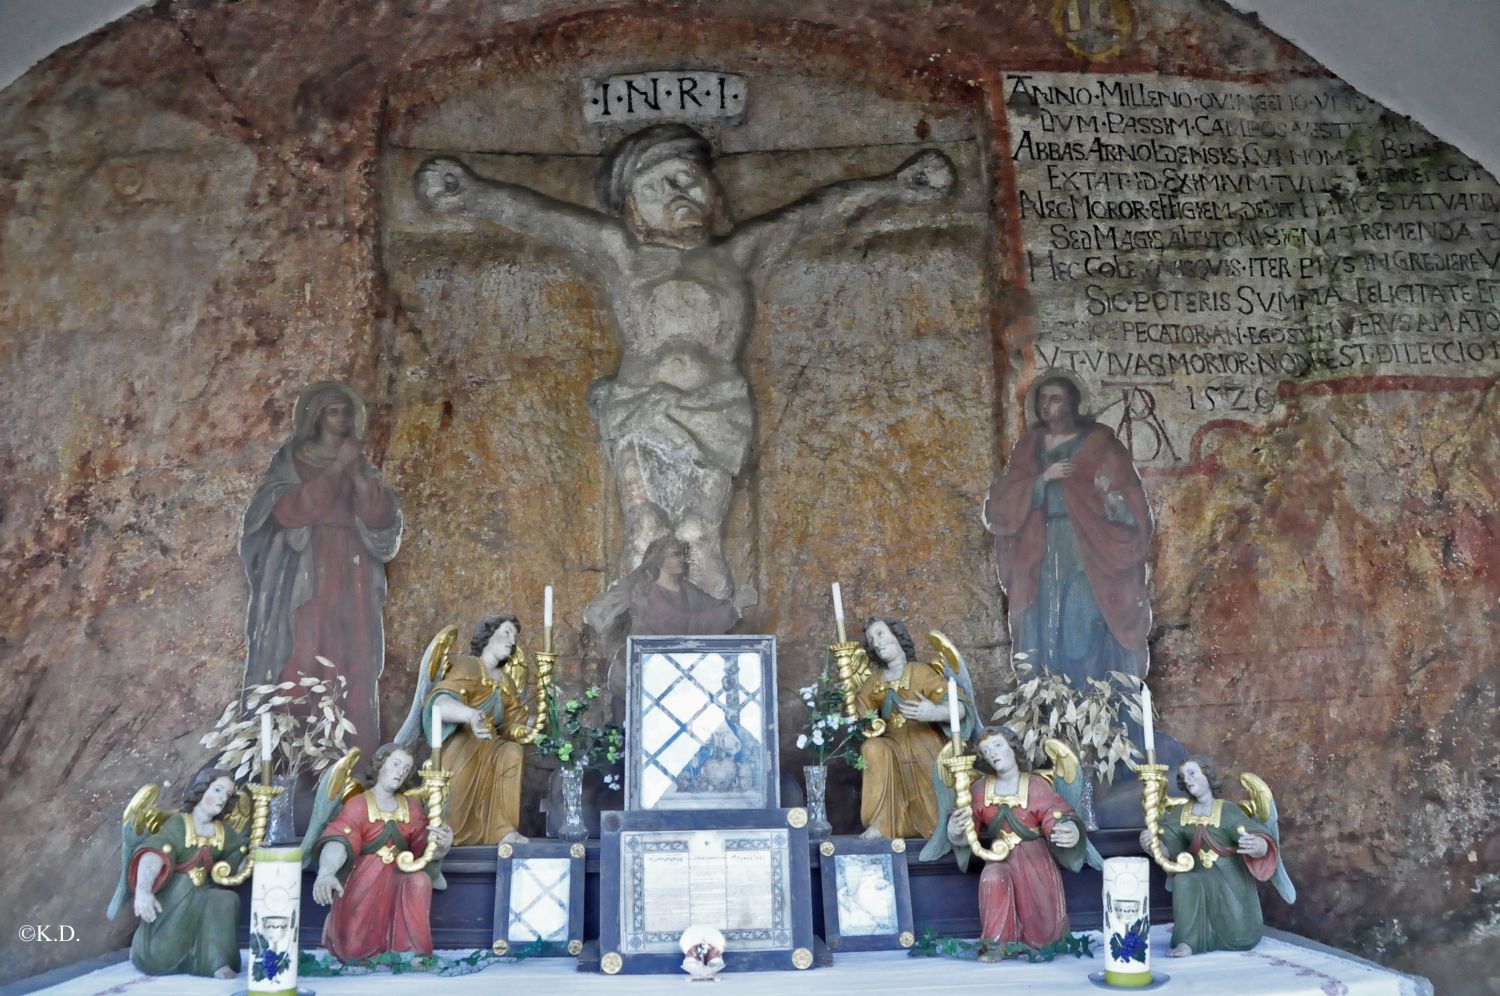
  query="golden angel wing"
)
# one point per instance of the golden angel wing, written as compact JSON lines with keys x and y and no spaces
{"x":338,"y":782}
{"x":1064,"y":761}
{"x":141,"y":815}
{"x":243,"y":809}
{"x":946,"y":650}
{"x":518,"y":668}
{"x":438,"y":659}
{"x":1261,"y":805}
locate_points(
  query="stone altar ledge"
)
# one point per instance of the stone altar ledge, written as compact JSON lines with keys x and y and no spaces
{"x":1281,"y":965}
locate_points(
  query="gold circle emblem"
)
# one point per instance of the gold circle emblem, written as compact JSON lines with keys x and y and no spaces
{"x":898,"y":846}
{"x":1094,"y":29}
{"x":826,"y":849}
{"x":796,"y":818}
{"x":575,"y":947}
{"x":500,"y":947}
{"x":802,"y":958}
{"x":576,"y":851}
{"x":505,"y":850}
{"x":906,"y":939}
{"x":612,"y":963}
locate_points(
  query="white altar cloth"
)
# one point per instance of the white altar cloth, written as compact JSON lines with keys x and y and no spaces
{"x":1281,"y":965}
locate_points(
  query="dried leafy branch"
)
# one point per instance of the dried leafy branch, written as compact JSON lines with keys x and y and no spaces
{"x":1046,"y":704}
{"x":308,"y":725}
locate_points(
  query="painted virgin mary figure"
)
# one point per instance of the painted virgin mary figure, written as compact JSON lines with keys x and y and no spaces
{"x":1072,"y":533}
{"x":316,"y":537}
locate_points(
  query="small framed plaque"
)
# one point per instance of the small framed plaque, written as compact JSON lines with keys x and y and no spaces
{"x":745,"y":873}
{"x":539,"y":898}
{"x":701,"y":723}
{"x":866,"y":896}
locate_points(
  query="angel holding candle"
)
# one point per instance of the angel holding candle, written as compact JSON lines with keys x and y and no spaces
{"x":188,"y":925}
{"x":481,"y":708}
{"x":377,"y":906}
{"x":1033,"y":829}
{"x":1215,"y":903}
{"x":912,"y":702}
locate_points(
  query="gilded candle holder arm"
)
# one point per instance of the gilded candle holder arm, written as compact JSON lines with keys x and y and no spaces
{"x":961,"y":766}
{"x":434,"y":785}
{"x":853,"y":668}
{"x":1153,"y":804}
{"x":259,"y":818}
{"x":531,"y":730}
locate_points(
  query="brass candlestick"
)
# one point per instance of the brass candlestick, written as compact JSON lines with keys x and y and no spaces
{"x":259,"y":817}
{"x":434,"y":786}
{"x":1154,"y":805}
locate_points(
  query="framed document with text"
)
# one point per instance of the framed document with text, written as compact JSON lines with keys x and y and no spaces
{"x":866,"y":896}
{"x":743,"y":872}
{"x":539,"y":898}
{"x":700,"y":723}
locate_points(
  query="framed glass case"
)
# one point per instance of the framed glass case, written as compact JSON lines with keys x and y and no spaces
{"x":701,"y":723}
{"x":744,"y":873}
{"x":866,"y":894}
{"x":539,"y":898}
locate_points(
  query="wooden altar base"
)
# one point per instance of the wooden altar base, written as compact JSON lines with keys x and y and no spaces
{"x":943,"y":899}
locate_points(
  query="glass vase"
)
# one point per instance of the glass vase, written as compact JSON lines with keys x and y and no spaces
{"x":573,"y":827}
{"x":815,"y":777}
{"x":281,"y":827}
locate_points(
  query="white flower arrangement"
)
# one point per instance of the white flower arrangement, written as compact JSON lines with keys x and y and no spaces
{"x":830,"y":733}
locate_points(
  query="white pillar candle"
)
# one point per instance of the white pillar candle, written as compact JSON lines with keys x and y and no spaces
{"x":265,"y":738}
{"x":437,"y":728}
{"x":275,"y":900}
{"x":953,"y":714}
{"x":1146,"y":724}
{"x":838,"y":611}
{"x":1127,"y":921}
{"x":547,"y":607}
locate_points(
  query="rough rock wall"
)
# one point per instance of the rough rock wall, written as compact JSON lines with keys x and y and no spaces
{"x":191,"y":229}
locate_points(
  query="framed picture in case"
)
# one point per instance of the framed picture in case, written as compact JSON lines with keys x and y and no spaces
{"x":539,"y":898}
{"x":866,"y":895}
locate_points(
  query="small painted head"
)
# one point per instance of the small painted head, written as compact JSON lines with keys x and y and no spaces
{"x":1198,"y":776}
{"x":393,"y":767}
{"x":214,"y":788}
{"x":888,"y":641}
{"x":1003,"y":749}
{"x":496,"y":636}
{"x":336,"y":419}
{"x":665,"y":555}
{"x":1057,"y":402}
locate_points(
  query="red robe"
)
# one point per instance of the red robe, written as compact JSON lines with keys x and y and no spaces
{"x":383,"y":908}
{"x":1113,"y":553}
{"x":1021,"y":898}
{"x":342,"y":619}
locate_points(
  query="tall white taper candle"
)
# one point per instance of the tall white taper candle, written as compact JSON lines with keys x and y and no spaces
{"x":838,"y":611}
{"x":1146,"y":723}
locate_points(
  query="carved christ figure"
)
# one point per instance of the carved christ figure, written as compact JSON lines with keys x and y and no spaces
{"x":681,"y":281}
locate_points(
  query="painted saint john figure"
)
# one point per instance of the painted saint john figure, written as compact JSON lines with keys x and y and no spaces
{"x":681,"y":282}
{"x":1072,"y":533}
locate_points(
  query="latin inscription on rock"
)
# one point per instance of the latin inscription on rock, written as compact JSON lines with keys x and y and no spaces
{"x":1196,"y":249}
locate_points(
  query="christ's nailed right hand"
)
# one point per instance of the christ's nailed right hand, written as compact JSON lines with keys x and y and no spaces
{"x":443,"y":184}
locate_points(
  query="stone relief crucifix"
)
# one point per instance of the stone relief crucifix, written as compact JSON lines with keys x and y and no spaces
{"x":681,"y":280}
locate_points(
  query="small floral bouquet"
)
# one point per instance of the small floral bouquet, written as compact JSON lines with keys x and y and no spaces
{"x":308,"y":725}
{"x":830,"y":732}
{"x":581,"y":745}
{"x":1045,"y":704}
